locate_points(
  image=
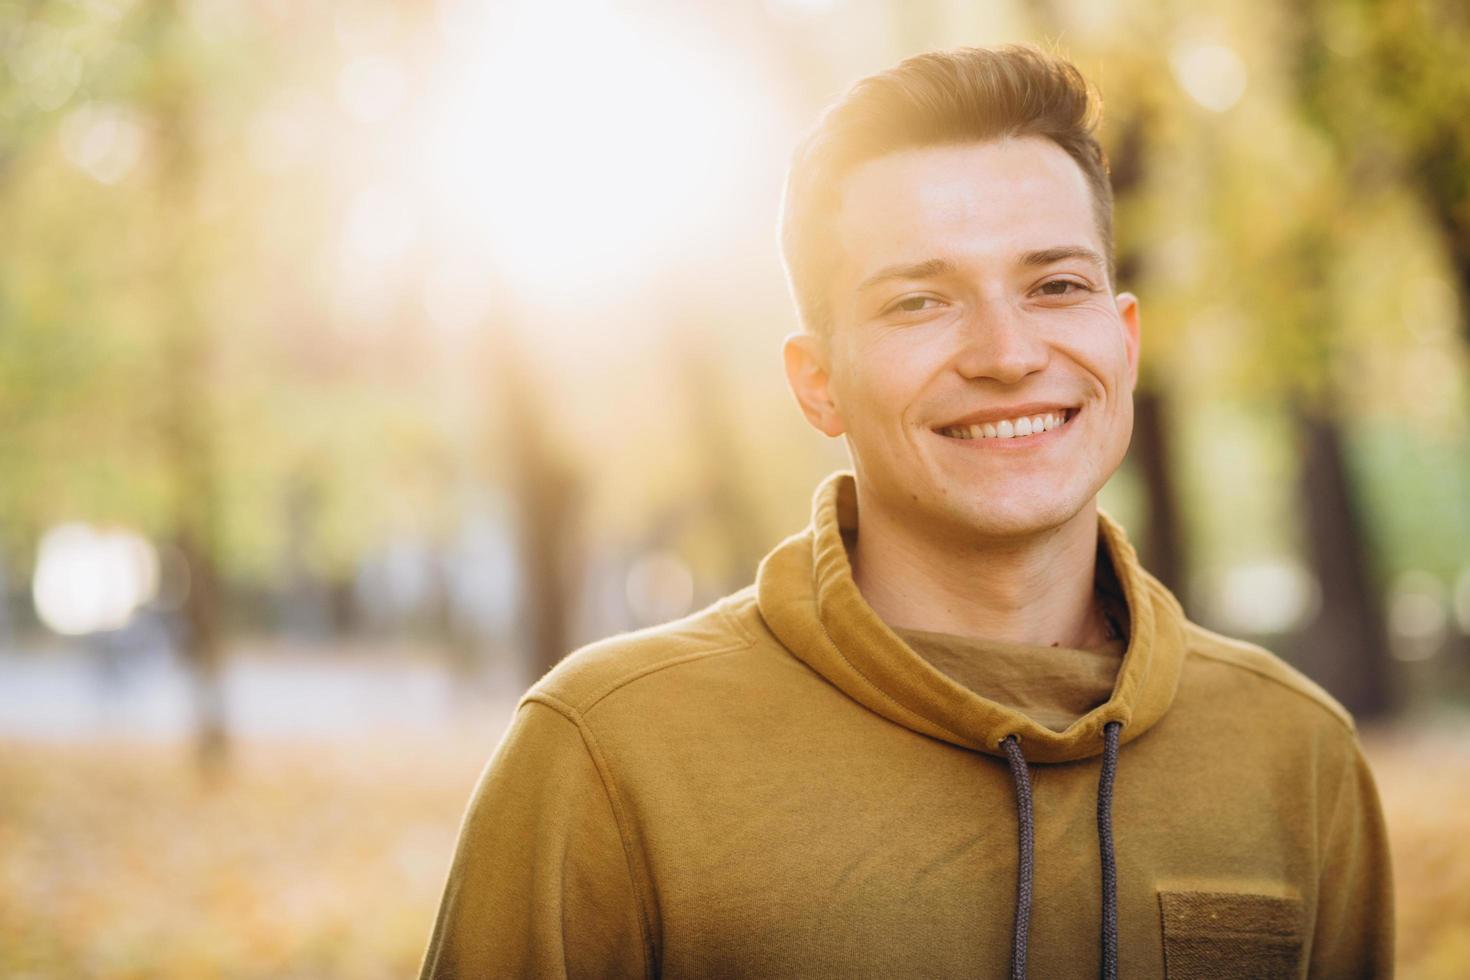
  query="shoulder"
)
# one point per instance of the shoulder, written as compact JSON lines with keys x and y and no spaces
{"x":1263,"y":669}
{"x":592,"y":673}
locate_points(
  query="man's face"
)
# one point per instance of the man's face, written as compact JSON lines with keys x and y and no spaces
{"x":971,"y":287}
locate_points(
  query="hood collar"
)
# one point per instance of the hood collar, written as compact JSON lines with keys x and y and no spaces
{"x":808,"y":597}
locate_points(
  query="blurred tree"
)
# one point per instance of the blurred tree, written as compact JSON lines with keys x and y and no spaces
{"x":1345,"y":648}
{"x":723,"y":492}
{"x":1383,"y":81}
{"x":1151,"y":448}
{"x":1387,"y":80}
{"x":547,"y":492}
{"x":186,"y":370}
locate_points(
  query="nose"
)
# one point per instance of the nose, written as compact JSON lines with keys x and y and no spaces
{"x":999,"y":342}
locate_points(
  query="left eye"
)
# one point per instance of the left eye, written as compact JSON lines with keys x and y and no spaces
{"x":1061,"y":287}
{"x":912,"y":304}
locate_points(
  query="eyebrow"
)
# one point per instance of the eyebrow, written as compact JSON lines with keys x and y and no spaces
{"x":933,"y":268}
{"x":929,"y":269}
{"x":1060,"y":253}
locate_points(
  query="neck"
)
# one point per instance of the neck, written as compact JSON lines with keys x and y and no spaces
{"x":1037,"y":590}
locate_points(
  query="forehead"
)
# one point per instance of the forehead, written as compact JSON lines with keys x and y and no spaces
{"x":979,"y":201}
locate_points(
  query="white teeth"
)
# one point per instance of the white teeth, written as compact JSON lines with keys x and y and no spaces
{"x":1017,"y":428}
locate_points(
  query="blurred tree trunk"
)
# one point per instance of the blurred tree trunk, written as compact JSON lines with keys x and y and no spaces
{"x":204,"y":653}
{"x":304,"y":611}
{"x":185,"y":376}
{"x":724,"y":476}
{"x":1444,"y":181}
{"x":7,"y":629}
{"x":1345,"y":648}
{"x":190,"y":460}
{"x":1162,"y":552}
{"x":190,"y":450}
{"x":449,"y":624}
{"x":547,"y":496}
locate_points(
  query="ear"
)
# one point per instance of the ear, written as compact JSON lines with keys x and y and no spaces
{"x":808,"y":371}
{"x":1128,"y":313}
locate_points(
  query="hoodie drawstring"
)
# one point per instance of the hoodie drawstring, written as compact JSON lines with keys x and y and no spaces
{"x":1105,"y":847}
{"x":1024,"y":877}
{"x":1022,"y":776}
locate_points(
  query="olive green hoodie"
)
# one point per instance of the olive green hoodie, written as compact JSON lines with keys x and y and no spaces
{"x":779,"y":786}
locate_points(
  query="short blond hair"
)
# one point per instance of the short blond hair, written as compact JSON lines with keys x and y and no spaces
{"x":956,"y":96}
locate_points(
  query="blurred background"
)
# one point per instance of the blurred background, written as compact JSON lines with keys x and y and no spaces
{"x":359,"y":360}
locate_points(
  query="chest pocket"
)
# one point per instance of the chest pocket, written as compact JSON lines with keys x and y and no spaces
{"x":1235,"y":935}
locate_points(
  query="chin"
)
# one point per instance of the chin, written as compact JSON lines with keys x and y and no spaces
{"x":1021,"y":516}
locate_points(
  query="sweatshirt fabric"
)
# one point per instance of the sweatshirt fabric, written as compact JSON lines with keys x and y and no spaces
{"x":778,"y":785}
{"x":1054,"y":685}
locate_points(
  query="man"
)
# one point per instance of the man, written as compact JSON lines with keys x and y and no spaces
{"x":953,"y":729}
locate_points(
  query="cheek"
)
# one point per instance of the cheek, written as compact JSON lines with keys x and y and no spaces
{"x":883,"y":380}
{"x":1102,"y":355}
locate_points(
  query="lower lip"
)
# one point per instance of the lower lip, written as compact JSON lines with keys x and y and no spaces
{"x":1015,"y":443}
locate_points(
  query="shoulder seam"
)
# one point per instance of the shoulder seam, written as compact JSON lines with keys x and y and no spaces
{"x":744,"y":641}
{"x":1338,"y":713}
{"x":614,"y":800}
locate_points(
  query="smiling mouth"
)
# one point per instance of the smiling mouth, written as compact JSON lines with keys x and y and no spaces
{"x":1022,"y":427}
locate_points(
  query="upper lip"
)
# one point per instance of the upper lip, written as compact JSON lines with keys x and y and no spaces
{"x":1007,"y":412}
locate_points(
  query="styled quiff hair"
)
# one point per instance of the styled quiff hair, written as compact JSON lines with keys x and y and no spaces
{"x":962,"y":95}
